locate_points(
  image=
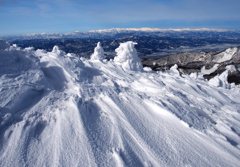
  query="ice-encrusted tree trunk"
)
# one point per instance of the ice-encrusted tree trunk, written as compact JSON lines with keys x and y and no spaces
{"x":127,"y":57}
{"x":98,"y":53}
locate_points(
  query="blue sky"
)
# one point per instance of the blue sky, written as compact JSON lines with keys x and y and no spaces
{"x":37,"y":16}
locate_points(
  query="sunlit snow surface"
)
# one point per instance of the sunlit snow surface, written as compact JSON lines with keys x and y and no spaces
{"x":59,"y":110}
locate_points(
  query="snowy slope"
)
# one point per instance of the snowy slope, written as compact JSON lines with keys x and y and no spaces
{"x":59,"y":110}
{"x":226,"y":55}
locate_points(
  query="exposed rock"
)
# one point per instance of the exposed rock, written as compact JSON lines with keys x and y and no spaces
{"x":234,"y":77}
{"x":208,"y":64}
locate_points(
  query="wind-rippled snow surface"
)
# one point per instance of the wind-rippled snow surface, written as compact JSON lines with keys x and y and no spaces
{"x":59,"y":110}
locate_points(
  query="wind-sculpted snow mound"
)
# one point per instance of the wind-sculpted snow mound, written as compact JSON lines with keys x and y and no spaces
{"x":98,"y":53}
{"x":66,"y":111}
{"x":13,"y":60}
{"x":127,"y":57}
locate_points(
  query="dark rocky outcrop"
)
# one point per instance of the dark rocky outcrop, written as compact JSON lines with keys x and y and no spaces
{"x":194,"y":62}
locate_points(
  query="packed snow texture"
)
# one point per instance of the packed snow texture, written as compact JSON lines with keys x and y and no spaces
{"x":60,"y":110}
{"x":127,"y":57}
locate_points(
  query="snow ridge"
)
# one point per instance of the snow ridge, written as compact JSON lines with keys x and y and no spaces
{"x":60,"y":110}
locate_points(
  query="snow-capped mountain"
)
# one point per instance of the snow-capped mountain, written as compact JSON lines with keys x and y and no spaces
{"x":60,"y":110}
{"x":116,"y":32}
{"x":146,"y":29}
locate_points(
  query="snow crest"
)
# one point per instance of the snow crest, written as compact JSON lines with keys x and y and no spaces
{"x":127,"y":57}
{"x":60,"y":110}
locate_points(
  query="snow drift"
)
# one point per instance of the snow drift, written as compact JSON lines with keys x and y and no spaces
{"x":59,"y":110}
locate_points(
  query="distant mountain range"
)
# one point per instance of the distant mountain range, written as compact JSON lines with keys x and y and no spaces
{"x":119,"y":32}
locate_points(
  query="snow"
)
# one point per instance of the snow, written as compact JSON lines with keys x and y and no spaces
{"x":173,"y":70}
{"x":98,"y":53}
{"x":61,"y":110}
{"x":147,"y":29}
{"x":221,"y":80}
{"x":227,"y":55}
{"x":204,"y":71}
{"x":127,"y":57}
{"x":147,"y":69}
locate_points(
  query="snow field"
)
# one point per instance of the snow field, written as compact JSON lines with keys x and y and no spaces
{"x":227,"y":55}
{"x":59,"y":110}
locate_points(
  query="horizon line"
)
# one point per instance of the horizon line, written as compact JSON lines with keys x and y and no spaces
{"x":147,"y":29}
